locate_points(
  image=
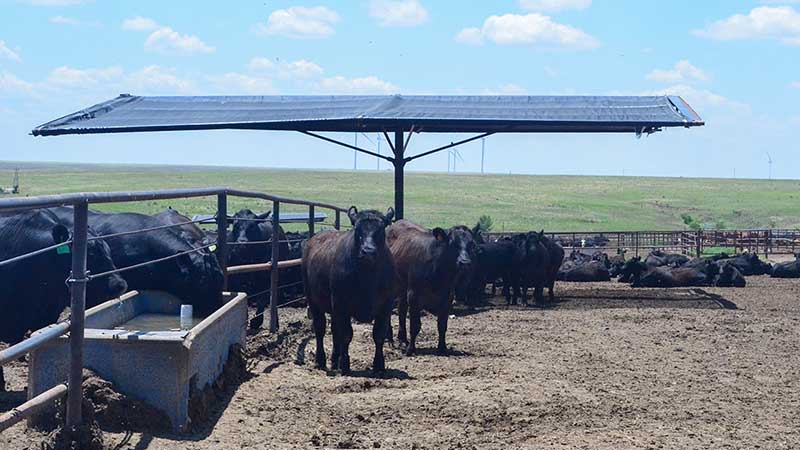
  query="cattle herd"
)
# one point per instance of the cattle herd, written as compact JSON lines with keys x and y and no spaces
{"x":363,"y":273}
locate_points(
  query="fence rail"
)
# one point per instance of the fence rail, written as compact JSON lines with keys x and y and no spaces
{"x":689,"y":242}
{"x":80,"y":276}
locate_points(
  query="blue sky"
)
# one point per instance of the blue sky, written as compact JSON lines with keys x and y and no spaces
{"x":736,"y":62}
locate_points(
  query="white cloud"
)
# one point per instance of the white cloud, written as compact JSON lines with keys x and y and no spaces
{"x":155,"y":79}
{"x":238,"y":83}
{"x":682,"y":71}
{"x":10,"y":84}
{"x":168,"y":41}
{"x":7,"y":53}
{"x":472,"y":36}
{"x":701,"y":98}
{"x":66,"y":76}
{"x":139,"y":23}
{"x":288,"y":70}
{"x":764,"y":22}
{"x":398,"y":13}
{"x":529,"y":29}
{"x":300,"y":22}
{"x":795,"y":84}
{"x":164,"y":39}
{"x":359,"y":85}
{"x":554,"y":5}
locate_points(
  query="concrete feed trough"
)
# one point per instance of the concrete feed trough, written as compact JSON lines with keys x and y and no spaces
{"x":161,"y":368}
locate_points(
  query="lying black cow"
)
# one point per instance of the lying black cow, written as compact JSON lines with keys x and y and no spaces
{"x":583,"y":271}
{"x":749,"y":264}
{"x":787,"y":269}
{"x":35,"y":292}
{"x":658,"y":258}
{"x":244,"y":248}
{"x":350,"y":274}
{"x":642,"y":275}
{"x":196,"y":277}
{"x":729,"y":276}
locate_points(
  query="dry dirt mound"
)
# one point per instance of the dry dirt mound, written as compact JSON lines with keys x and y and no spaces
{"x":115,"y":411}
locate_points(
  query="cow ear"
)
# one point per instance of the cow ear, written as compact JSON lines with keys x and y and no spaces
{"x":439,"y":234}
{"x":541,"y":234}
{"x":389,"y":216}
{"x":476,"y":229}
{"x":352,"y":213}
{"x":60,"y":234}
{"x":266,"y":215}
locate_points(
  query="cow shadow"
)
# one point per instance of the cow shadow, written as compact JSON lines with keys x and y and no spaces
{"x":388,"y":374}
{"x":433,"y":352}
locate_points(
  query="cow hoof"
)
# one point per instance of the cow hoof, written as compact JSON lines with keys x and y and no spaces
{"x":256,"y":323}
{"x":410,"y":351}
{"x":442,"y":351}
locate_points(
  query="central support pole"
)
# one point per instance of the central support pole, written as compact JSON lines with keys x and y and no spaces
{"x":273,"y":275}
{"x":399,"y":166}
{"x":77,"y":308}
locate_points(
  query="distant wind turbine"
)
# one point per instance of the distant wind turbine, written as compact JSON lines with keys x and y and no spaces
{"x":456,"y":155}
{"x":769,"y":161}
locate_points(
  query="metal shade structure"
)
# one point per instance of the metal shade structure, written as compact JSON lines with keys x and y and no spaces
{"x":387,"y":114}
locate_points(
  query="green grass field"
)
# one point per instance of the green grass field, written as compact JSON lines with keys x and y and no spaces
{"x":515,"y":202}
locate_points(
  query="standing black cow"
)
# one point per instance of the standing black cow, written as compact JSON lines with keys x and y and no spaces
{"x":429,"y":264}
{"x":555,"y":256}
{"x":494,"y":260}
{"x":250,"y":243}
{"x":195,"y":277}
{"x":532,"y":264}
{"x":350,"y":274}
{"x":35,"y":291}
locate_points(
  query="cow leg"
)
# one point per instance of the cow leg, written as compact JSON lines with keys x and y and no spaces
{"x":402,"y":312}
{"x":382,"y":322}
{"x":550,"y":288}
{"x":441,"y":322}
{"x":538,"y":293}
{"x":416,"y":324}
{"x":258,"y":320}
{"x":336,"y":331}
{"x":2,"y":380}
{"x":318,"y":318}
{"x":347,"y":336}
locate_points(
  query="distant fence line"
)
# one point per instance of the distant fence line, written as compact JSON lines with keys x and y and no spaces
{"x":636,"y":243}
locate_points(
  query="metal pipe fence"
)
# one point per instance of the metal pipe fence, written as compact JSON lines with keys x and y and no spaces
{"x":80,"y":275}
{"x":688,"y":242}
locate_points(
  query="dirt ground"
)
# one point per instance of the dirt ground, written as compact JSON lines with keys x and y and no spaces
{"x":607,"y":367}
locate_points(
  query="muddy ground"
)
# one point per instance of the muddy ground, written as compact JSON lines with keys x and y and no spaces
{"x":607,"y":367}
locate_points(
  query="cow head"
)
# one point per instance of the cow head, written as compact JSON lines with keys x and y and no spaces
{"x":460,"y":244}
{"x":632,"y":270}
{"x":199,"y":281}
{"x":369,"y":228}
{"x":98,"y":259}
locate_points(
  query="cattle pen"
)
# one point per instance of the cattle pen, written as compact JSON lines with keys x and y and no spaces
{"x":80,"y":276}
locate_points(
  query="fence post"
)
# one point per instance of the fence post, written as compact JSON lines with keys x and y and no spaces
{"x":311,"y":220}
{"x":767,"y":242}
{"x":338,"y":224}
{"x":699,"y":242}
{"x":77,"y":309}
{"x":222,"y":236}
{"x":273,"y":289}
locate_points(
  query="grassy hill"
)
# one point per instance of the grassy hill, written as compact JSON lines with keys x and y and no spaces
{"x":515,"y":202}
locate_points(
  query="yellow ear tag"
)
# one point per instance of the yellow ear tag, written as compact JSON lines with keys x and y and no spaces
{"x":212,"y":248}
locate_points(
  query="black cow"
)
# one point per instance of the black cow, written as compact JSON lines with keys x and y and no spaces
{"x":532,"y":264}
{"x":642,"y":275}
{"x":658,"y":258}
{"x":787,"y":269}
{"x":555,"y":256}
{"x":729,"y":276}
{"x":249,"y":244}
{"x":583,"y":271}
{"x":429,"y":264}
{"x":350,"y":274}
{"x":495,"y":260}
{"x":190,"y":231}
{"x":195,"y":277}
{"x":749,"y":264}
{"x":35,"y":290}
